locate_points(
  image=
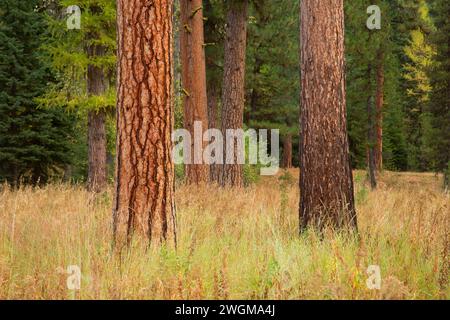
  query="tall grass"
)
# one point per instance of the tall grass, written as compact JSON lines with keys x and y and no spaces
{"x":233,"y":244}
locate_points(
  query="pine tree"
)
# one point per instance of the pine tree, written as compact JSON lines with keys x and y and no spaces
{"x":382,"y":133}
{"x":233,"y":94}
{"x":272,"y":67}
{"x":144,"y":192}
{"x":214,"y":42}
{"x":194,"y":83}
{"x":33,"y":142}
{"x":85,"y":62}
{"x":440,"y":94}
{"x":326,"y":183}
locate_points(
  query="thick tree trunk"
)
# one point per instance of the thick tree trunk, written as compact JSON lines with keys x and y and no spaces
{"x":213,"y":105}
{"x":379,"y":111}
{"x":326,"y":184}
{"x":234,"y":85}
{"x":144,"y":193}
{"x":194,"y":83}
{"x":287,"y":152}
{"x":96,"y":85}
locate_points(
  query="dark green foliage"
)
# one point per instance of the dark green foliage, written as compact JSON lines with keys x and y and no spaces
{"x":36,"y":143}
{"x":440,"y":82}
{"x":408,"y":130}
{"x":272,"y":76}
{"x":214,"y":29}
{"x":362,"y":48}
{"x":33,"y":142}
{"x":69,"y":57}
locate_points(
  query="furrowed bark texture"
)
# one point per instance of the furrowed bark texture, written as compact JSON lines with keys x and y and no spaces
{"x":96,"y":85}
{"x":194,"y":83}
{"x":144,"y":194}
{"x":326,"y":184}
{"x":233,"y":85}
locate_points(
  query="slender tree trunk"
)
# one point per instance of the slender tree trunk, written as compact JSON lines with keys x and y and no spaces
{"x":214,"y":73}
{"x":194,"y":83}
{"x":326,"y":184}
{"x":67,"y":173}
{"x":371,"y":133}
{"x":144,"y":193}
{"x":213,"y":101}
{"x":379,"y":111}
{"x":97,"y":175}
{"x":234,"y":85}
{"x":96,"y":86}
{"x":287,"y":151}
{"x":254,"y":97}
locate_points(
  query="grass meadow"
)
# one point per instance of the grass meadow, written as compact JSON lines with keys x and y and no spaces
{"x":233,"y":244}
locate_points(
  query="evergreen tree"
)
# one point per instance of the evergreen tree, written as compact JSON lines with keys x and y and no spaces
{"x":214,"y":41}
{"x":33,"y":142}
{"x":144,"y":193}
{"x":85,"y":62}
{"x":233,"y":89}
{"x":440,"y":94}
{"x":193,"y":74}
{"x":272,"y":89}
{"x":326,"y":182}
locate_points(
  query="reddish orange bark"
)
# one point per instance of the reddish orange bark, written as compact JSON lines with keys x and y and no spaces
{"x":326,"y":184}
{"x":194,"y":82}
{"x":144,"y":195}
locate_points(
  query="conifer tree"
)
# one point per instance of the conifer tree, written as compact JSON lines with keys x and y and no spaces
{"x":326,"y":183}
{"x":440,"y":94}
{"x":85,"y":60}
{"x":33,"y":142}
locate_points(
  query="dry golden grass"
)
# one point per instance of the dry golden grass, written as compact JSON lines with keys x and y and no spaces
{"x":232,"y":245}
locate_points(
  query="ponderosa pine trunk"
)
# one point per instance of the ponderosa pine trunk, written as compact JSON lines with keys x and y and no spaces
{"x":234,"y":86}
{"x":379,"y":101}
{"x":326,"y":184}
{"x":194,"y":84}
{"x":287,"y":152}
{"x":97,"y":85}
{"x":144,"y":192}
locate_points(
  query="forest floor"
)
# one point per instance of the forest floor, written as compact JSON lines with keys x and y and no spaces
{"x":233,"y":244}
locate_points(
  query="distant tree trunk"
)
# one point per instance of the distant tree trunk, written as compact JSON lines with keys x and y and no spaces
{"x":326,"y":184}
{"x":379,"y":111}
{"x":214,"y":72}
{"x":233,"y":85}
{"x":255,"y":96}
{"x":213,"y":101}
{"x":144,"y":192}
{"x":287,"y":151}
{"x":371,"y":133}
{"x":67,"y":173}
{"x":97,"y":176}
{"x":194,"y":83}
{"x":97,"y":85}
